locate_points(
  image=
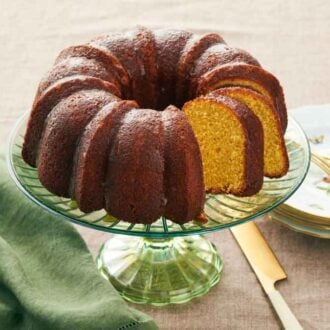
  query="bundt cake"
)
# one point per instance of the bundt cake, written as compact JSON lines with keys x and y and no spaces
{"x":106,"y":129}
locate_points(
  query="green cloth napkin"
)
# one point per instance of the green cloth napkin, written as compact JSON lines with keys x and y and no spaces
{"x":48,"y":279}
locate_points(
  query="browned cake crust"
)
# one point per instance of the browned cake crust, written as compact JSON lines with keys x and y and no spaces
{"x":111,"y":62}
{"x":61,"y":132}
{"x":44,"y":105}
{"x":254,"y":144}
{"x":135,"y":176}
{"x":155,"y":68}
{"x":76,"y":66}
{"x":216,"y":56}
{"x":169,"y":45}
{"x":184,"y":187}
{"x":135,"y":50}
{"x":193,"y":49}
{"x":209,"y":81}
{"x":221,"y":54}
{"x":91,"y":158}
{"x":145,"y":43}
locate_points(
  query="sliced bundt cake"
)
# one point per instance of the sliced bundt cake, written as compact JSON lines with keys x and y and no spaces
{"x":91,"y":143}
{"x":276,"y":161}
{"x":230,"y":138}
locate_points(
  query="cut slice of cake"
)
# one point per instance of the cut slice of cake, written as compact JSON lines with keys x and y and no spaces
{"x":230,"y":138}
{"x":276,"y":162}
{"x":248,"y":76}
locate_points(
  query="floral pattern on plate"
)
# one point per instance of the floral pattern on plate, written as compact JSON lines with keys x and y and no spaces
{"x":313,"y":197}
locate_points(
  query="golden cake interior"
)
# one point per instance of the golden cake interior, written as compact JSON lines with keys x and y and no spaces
{"x":275,"y":155}
{"x":221,"y":140}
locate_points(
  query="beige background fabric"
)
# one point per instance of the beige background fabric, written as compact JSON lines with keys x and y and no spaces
{"x":291,"y":39}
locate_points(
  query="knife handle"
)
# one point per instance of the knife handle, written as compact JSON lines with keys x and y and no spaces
{"x":283,"y":311}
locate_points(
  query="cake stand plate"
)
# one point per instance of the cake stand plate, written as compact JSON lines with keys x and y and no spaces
{"x":165,"y":262}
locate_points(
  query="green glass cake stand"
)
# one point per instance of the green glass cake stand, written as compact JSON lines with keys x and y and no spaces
{"x":165,"y":263}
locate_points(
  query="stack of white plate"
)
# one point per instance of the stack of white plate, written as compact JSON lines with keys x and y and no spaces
{"x":308,"y":210}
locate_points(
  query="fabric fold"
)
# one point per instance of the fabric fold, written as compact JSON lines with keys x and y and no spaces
{"x":48,"y":279}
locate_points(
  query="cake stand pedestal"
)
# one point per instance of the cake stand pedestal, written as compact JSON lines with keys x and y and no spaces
{"x":164,"y":263}
{"x":162,"y":270}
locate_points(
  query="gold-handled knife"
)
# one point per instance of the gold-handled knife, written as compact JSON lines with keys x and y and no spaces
{"x":267,"y":268}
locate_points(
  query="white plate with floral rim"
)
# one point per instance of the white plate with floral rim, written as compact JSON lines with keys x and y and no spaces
{"x":313,"y":197}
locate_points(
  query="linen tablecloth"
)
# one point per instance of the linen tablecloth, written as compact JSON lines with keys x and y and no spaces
{"x":291,"y":39}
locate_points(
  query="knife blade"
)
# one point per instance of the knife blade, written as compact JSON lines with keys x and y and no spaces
{"x":267,"y":269}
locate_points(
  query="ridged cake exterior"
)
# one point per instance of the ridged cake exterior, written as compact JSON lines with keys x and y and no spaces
{"x":101,"y":130}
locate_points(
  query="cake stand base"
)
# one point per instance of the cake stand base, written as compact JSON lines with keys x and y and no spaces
{"x":160,"y":271}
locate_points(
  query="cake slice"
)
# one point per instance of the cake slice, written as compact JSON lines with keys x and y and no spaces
{"x":246,"y":75}
{"x":183,"y":177}
{"x":276,"y":162}
{"x":230,"y":138}
{"x":92,"y":154}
